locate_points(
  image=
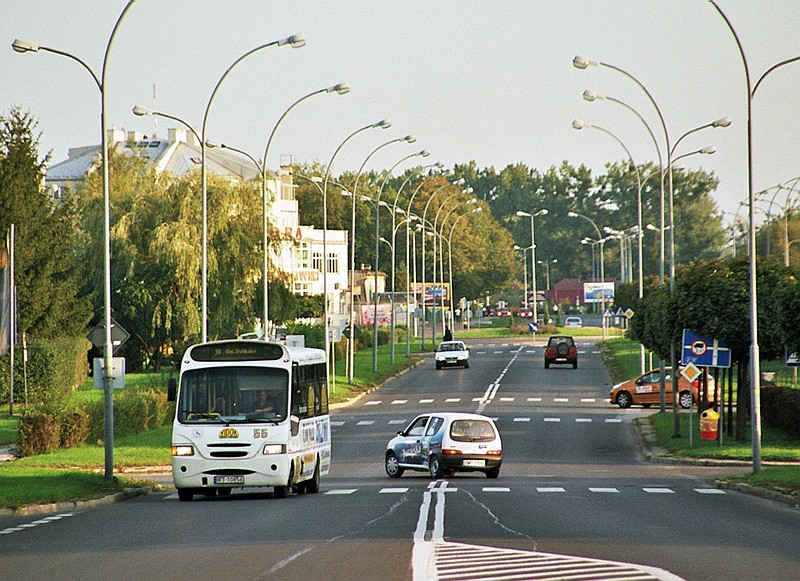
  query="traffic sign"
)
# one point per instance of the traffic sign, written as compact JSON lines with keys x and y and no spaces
{"x":704,"y":352}
{"x":98,"y":335}
{"x":691,"y":372}
{"x":629,"y":313}
{"x":533,"y":327}
{"x":793,"y":359}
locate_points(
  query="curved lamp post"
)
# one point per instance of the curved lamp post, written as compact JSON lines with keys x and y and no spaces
{"x":382,"y":124}
{"x":295,"y":41}
{"x":601,"y":241}
{"x":422,"y":153}
{"x":339,"y":89}
{"x":22,"y":46}
{"x":542,"y":212}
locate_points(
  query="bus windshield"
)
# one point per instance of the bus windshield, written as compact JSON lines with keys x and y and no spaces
{"x":233,"y":394}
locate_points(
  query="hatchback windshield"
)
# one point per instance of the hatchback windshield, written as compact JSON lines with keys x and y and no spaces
{"x":471,"y":431}
{"x":452,"y":346}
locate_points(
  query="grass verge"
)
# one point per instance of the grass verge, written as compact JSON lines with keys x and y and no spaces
{"x":622,"y":359}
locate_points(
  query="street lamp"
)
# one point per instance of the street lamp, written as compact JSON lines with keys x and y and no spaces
{"x":601,"y":241}
{"x":382,"y":124}
{"x":294,"y":41}
{"x":546,"y":264}
{"x":339,"y":89}
{"x":755,"y":372}
{"x":395,"y":211}
{"x":524,"y":270}
{"x":22,"y":46}
{"x":450,"y":259}
{"x":542,"y":212}
{"x":422,"y":153}
{"x":459,"y":181}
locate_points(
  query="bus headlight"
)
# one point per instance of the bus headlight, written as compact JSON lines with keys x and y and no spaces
{"x":183,"y":450}
{"x":270,"y":449}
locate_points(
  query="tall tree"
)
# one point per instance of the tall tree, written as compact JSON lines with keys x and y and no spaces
{"x":47,"y":276}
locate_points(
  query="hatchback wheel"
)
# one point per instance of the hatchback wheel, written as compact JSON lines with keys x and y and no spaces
{"x":685,"y":399}
{"x":435,"y":466}
{"x":624,"y":399}
{"x":393,"y":468}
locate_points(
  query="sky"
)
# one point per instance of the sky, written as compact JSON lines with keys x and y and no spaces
{"x":484,"y":81}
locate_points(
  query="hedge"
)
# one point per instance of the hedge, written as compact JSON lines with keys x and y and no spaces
{"x":780,"y":408}
{"x":54,"y":368}
{"x":48,"y":428}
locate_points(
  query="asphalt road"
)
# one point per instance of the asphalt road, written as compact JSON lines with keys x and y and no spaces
{"x":573,"y":497}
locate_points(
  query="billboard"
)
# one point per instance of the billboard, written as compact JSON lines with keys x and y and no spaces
{"x":598,"y":292}
{"x":433,"y":291}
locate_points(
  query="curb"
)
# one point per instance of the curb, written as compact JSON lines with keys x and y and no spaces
{"x":657,"y":455}
{"x":36,"y":509}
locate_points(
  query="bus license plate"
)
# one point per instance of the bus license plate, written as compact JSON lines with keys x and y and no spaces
{"x":475,"y":463}
{"x":228,"y":479}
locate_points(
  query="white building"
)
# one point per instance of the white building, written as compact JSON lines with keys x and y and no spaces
{"x":300,"y":258}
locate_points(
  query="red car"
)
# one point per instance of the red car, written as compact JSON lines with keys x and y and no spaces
{"x":502,"y":312}
{"x":525,"y":313}
{"x":561,"y":349}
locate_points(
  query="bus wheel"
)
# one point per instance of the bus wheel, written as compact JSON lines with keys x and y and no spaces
{"x":283,"y":491}
{"x":185,"y":494}
{"x":312,"y":486}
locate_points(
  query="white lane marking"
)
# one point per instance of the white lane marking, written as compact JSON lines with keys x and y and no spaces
{"x":36,"y":523}
{"x":496,"y":489}
{"x":588,"y":400}
{"x":534,"y":399}
{"x":561,"y":399}
{"x":373,"y":402}
{"x":521,"y":419}
{"x":613,"y":420}
{"x":342,"y":491}
{"x":393,"y":422}
{"x":659,"y":490}
{"x":427,"y":400}
{"x":550,"y":489}
{"x":604,"y":489}
{"x":281,"y":564}
{"x":555,"y":420}
{"x":583,"y":420}
{"x":507,"y":399}
{"x":398,"y":490}
{"x":336,"y":423}
{"x":453,"y":399}
{"x":399,"y":401}
{"x":709,"y":491}
{"x":365,"y":422}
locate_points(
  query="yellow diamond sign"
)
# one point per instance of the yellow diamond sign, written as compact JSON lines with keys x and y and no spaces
{"x":691,"y":372}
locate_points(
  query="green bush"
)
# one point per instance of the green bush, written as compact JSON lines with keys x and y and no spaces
{"x":74,"y":427}
{"x":39,"y":432}
{"x":54,"y":368}
{"x":780,"y":408}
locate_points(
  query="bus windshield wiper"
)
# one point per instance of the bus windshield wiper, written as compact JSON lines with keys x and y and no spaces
{"x":204,"y":416}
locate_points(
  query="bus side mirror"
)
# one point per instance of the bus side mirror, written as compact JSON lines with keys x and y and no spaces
{"x":295,"y":425}
{"x":172,"y":389}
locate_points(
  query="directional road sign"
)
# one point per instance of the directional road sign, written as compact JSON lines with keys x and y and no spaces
{"x":704,"y":352}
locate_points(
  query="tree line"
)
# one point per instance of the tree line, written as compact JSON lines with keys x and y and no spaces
{"x":155,"y":236}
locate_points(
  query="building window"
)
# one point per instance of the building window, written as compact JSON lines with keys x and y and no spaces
{"x":333,"y":263}
{"x":316,"y":262}
{"x":303,"y":255}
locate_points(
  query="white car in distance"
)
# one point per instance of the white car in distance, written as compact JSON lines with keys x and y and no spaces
{"x":452,"y":354}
